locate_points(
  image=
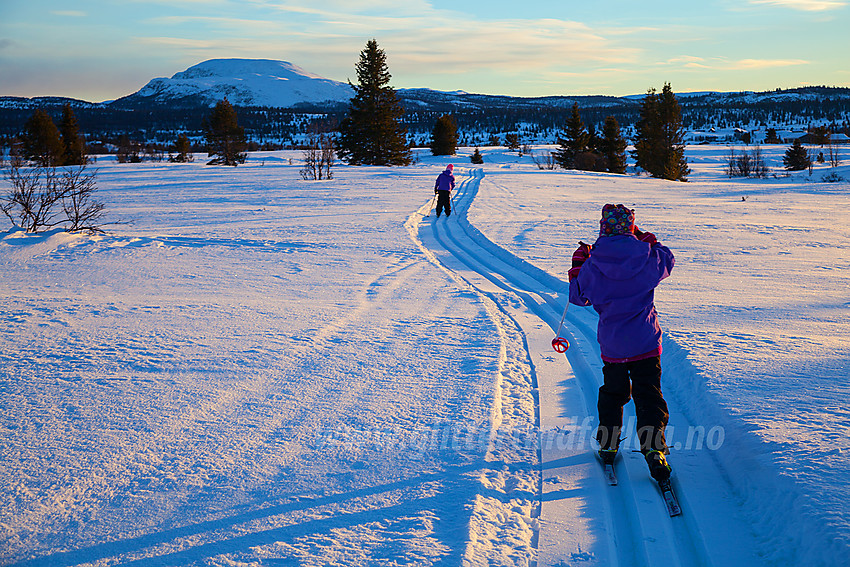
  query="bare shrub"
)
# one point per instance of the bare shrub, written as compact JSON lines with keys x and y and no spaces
{"x":544,"y":160}
{"x":833,"y":154}
{"x":82,"y":210}
{"x":746,"y":164}
{"x":319,"y":157}
{"x":42,"y":197}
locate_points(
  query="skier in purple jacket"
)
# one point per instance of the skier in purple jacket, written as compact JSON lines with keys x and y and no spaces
{"x":443,"y":189}
{"x":618,"y":277}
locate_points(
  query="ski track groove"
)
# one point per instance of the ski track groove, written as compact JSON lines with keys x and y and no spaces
{"x":638,"y":526}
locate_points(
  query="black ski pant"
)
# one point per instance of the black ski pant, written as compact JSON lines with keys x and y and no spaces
{"x":444,"y":201}
{"x":640,"y":380}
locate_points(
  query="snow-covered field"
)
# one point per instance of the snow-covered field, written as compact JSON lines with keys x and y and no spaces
{"x":262,"y":370}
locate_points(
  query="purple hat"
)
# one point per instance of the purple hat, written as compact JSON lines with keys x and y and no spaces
{"x":616,"y":219}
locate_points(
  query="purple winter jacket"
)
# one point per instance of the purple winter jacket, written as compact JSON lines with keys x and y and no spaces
{"x":445,"y":181}
{"x":619,"y":280}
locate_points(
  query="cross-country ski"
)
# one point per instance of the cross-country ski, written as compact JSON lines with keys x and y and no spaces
{"x":670,"y":500}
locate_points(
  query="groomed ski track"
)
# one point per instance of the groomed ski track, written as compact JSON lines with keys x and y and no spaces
{"x":582,"y":520}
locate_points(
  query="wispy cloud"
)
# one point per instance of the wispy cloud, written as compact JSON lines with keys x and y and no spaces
{"x":690,"y":61}
{"x":6,"y":43}
{"x":179,"y":42}
{"x":745,"y":64}
{"x":420,"y":40}
{"x":722,"y":64}
{"x":805,"y":5}
{"x":69,"y":13}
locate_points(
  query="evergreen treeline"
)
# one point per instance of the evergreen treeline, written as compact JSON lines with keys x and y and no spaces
{"x":543,"y":118}
{"x":47,"y":145}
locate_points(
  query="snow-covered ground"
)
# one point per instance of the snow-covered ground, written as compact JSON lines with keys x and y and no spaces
{"x":262,"y":370}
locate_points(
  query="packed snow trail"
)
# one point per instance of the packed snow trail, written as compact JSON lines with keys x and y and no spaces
{"x":240,"y":384}
{"x":583,"y":519}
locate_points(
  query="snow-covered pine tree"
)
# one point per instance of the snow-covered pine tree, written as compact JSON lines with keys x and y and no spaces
{"x":372,"y":133}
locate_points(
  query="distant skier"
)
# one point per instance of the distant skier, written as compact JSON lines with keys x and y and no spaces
{"x":618,"y":277}
{"x":443,"y":189}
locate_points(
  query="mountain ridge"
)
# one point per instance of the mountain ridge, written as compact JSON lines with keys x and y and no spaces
{"x":281,"y":84}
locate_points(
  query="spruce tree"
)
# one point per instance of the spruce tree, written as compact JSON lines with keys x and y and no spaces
{"x":796,"y":157}
{"x":225,"y":138}
{"x":74,"y":145}
{"x":476,"y":157}
{"x":771,"y":137}
{"x":675,"y":165}
{"x":612,"y":146}
{"x":371,"y":133}
{"x":593,"y":139}
{"x":573,"y":142}
{"x":183,"y":149}
{"x":659,"y":145}
{"x":41,"y":140}
{"x":647,"y":134}
{"x":444,"y":136}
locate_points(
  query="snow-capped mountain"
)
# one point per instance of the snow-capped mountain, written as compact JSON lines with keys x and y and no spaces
{"x":245,"y":82}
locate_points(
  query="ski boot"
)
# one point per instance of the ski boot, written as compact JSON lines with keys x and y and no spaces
{"x":658,"y":467}
{"x":609,"y":441}
{"x":608,"y":456}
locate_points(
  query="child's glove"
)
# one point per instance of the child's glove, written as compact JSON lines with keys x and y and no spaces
{"x":581,"y":254}
{"x":647,"y":237}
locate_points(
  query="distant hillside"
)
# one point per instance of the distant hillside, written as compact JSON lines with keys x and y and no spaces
{"x":276,"y":100}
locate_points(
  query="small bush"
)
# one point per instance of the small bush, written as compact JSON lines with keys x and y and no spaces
{"x":746,"y":164}
{"x":43,"y":197}
{"x":319,"y":157}
{"x":590,"y":161}
{"x":546,"y":160}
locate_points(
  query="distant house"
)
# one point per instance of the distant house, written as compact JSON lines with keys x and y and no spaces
{"x":788,"y":136}
{"x":836,"y":139}
{"x":713,"y":136}
{"x":701,"y":137}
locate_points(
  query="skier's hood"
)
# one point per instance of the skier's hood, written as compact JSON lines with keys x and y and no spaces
{"x":620,"y":257}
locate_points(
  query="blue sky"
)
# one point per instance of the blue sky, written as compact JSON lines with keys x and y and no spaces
{"x":99,"y":50}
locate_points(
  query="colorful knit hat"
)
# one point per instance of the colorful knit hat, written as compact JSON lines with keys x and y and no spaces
{"x":616,"y":219}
